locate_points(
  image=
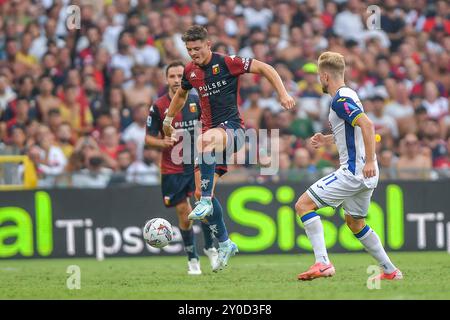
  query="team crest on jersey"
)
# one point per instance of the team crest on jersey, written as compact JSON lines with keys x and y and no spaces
{"x":193,"y":75}
{"x":215,"y":69}
{"x":193,"y":107}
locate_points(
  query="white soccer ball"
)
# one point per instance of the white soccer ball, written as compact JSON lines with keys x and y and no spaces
{"x":158,"y":232}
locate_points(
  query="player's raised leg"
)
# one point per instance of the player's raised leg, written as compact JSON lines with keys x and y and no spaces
{"x":227,"y":248}
{"x":187,"y":233}
{"x":305,"y":208}
{"x":372,"y":244}
{"x":208,"y":144}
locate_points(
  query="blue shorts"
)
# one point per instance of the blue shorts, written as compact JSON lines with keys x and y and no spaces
{"x":236,"y":135}
{"x":176,"y":188}
{"x":235,"y":141}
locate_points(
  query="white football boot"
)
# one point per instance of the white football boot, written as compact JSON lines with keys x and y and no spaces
{"x":212,"y":255}
{"x":194,"y":267}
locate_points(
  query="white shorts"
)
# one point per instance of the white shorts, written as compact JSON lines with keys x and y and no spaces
{"x":342,"y":187}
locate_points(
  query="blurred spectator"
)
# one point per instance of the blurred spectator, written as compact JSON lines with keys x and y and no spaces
{"x":256,"y":15}
{"x":124,"y":160}
{"x":139,"y":92}
{"x":348,"y":24}
{"x":121,"y":115}
{"x":145,"y":172}
{"x":123,"y":58}
{"x":7,"y":94}
{"x":99,"y":75}
{"x":54,"y":120}
{"x":252,"y":111}
{"x":95,"y":175}
{"x":17,"y":143}
{"x":431,"y":139}
{"x":64,"y":139}
{"x":20,"y":115}
{"x":387,"y":164}
{"x":79,"y":116}
{"x":268,"y":99}
{"x":137,"y":129}
{"x":309,"y":96}
{"x":46,"y":100}
{"x":110,"y":145}
{"x":413,"y":164}
{"x":401,"y":110}
{"x":92,"y":90}
{"x":144,"y":53}
{"x":436,"y":106}
{"x":50,"y":160}
{"x":385,"y":125}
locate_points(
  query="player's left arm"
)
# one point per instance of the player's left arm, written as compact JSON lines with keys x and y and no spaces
{"x":368,"y":133}
{"x":266,"y":70}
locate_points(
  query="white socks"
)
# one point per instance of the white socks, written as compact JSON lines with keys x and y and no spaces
{"x":314,"y":231}
{"x":373,"y":245}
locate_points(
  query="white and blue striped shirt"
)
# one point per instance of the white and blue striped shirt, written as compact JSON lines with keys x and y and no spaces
{"x":345,"y":109}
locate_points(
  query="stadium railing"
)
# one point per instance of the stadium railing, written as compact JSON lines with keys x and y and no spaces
{"x":17,"y":173}
{"x":236,"y":176}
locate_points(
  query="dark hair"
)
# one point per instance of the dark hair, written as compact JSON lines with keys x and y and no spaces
{"x":69,"y":86}
{"x":53,"y":112}
{"x":17,"y":126}
{"x":218,"y":45}
{"x":96,"y":161}
{"x":45,"y":76}
{"x":22,"y":79}
{"x":173,"y":64}
{"x":104,"y":112}
{"x":195,"y":33}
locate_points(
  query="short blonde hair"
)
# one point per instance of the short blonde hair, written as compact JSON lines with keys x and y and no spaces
{"x":332,"y":62}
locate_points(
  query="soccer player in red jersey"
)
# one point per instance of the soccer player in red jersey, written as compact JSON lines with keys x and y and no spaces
{"x":177,"y":180}
{"x":215,"y":78}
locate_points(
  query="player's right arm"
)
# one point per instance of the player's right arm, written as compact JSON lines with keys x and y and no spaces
{"x":153,"y":130}
{"x":269,"y":72}
{"x":318,"y":140}
{"x":175,"y":106}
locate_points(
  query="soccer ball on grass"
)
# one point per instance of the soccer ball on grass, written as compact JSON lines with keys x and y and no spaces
{"x":158,"y":232}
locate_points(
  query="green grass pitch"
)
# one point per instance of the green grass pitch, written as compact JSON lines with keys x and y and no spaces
{"x":426,"y":276}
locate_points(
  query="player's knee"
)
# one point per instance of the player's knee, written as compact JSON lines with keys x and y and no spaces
{"x":355,"y":225}
{"x":205,"y":142}
{"x":301,"y":208}
{"x":183,"y":220}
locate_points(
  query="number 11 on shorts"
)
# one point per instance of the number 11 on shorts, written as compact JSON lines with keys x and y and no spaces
{"x":332,"y":177}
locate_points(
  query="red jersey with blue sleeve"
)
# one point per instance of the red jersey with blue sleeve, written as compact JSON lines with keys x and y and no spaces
{"x":217,"y":84}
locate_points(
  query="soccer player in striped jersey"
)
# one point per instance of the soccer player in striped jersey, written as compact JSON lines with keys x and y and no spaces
{"x":215,"y":77}
{"x":177,"y":180}
{"x":353,"y":183}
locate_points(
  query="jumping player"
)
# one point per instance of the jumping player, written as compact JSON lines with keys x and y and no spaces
{"x":215,"y":77}
{"x":177,"y":180}
{"x":353,"y":183}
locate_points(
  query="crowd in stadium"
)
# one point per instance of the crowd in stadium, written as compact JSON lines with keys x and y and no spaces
{"x":76,"y":100}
